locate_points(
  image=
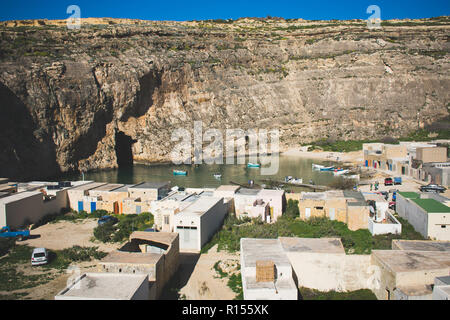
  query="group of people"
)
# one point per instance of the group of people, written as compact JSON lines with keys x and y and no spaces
{"x":376,"y":186}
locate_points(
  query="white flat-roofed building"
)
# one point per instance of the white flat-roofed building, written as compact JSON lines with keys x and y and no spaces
{"x":107,"y":286}
{"x":198,"y":222}
{"x":266,"y":271}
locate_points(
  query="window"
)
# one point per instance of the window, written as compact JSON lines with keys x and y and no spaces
{"x":166,"y":219}
{"x":443,"y":226}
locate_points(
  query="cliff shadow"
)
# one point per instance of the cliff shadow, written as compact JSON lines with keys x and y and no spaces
{"x":144,"y":99}
{"x":23,"y":155}
{"x":123,"y":147}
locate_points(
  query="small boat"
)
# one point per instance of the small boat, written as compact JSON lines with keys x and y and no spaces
{"x":217,"y":176}
{"x":253,"y":165}
{"x":317,"y":166}
{"x":179,"y":173}
{"x":327,"y":169}
{"x":340,"y":172}
{"x":296,"y":181}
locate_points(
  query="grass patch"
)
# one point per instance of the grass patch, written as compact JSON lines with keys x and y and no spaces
{"x":354,"y":242}
{"x":311,"y":294}
{"x":126,"y":225}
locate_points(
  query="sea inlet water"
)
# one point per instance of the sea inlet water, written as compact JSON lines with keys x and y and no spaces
{"x":203,"y":175}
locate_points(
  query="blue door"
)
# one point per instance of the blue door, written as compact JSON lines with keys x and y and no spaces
{"x":367,"y":163}
{"x":80,"y":206}
{"x":93,"y":206}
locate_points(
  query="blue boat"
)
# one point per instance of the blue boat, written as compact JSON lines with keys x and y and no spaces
{"x":253,"y":165}
{"x":327,"y":169}
{"x":179,"y":173}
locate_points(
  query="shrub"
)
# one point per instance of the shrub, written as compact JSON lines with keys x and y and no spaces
{"x":342,"y":183}
{"x":6,"y":244}
{"x":292,"y":210}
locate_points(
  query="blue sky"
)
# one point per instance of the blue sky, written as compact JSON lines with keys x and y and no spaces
{"x":212,"y":9}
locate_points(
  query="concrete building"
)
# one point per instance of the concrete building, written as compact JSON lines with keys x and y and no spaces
{"x":165,"y":210}
{"x":227,"y":192}
{"x":106,"y":286}
{"x":155,"y":254}
{"x":322,"y":264}
{"x":198,"y":222}
{"x":79,"y":199}
{"x":346,"y":206}
{"x":421,"y":245}
{"x":250,"y":199}
{"x":428,"y":216}
{"x":28,"y":207}
{"x":408,"y":275}
{"x":427,"y":155}
{"x":266,"y":271}
{"x":149,"y":191}
{"x":381,"y":221}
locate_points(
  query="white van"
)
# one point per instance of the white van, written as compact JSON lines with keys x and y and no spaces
{"x":39,"y":256}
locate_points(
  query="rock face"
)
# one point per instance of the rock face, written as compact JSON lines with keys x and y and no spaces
{"x":92,"y":98}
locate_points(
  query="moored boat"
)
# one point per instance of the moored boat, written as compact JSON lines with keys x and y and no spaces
{"x":327,"y":169}
{"x":217,"y":176}
{"x":340,"y":172}
{"x":253,"y":165}
{"x":179,"y":173}
{"x":317,"y":166}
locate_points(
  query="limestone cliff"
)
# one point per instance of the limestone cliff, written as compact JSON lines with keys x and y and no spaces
{"x":71,"y":99}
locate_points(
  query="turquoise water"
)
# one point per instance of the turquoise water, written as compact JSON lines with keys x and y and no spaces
{"x":202,"y":176}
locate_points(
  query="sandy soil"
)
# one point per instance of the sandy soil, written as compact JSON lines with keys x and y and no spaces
{"x":57,"y":236}
{"x":355,"y":157}
{"x":204,"y":282}
{"x":66,"y":234}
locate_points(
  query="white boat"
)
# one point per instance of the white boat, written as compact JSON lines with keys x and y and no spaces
{"x":340,"y":172}
{"x":317,"y":166}
{"x":217,"y":176}
{"x":296,"y":181}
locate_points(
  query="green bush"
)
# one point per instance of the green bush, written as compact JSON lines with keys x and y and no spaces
{"x":6,"y":244}
{"x":292,"y":210}
{"x":126,"y":225}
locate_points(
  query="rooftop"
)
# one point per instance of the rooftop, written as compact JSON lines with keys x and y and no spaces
{"x":200,"y":206}
{"x":108,"y":187}
{"x":19,"y":196}
{"x":228,"y":188}
{"x":431,"y":205}
{"x":422,"y":245}
{"x":248,"y":192}
{"x":131,"y":257}
{"x":124,"y":188}
{"x":104,"y":286}
{"x":316,"y":245}
{"x":409,"y":195}
{"x":88,"y":186}
{"x":411,"y":261}
{"x":150,"y":185}
{"x":263,"y":249}
{"x":161,"y":237}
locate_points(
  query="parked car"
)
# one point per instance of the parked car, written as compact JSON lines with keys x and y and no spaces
{"x":432,"y":188}
{"x":151,"y":230}
{"x":397,"y":180}
{"x":107,"y":219}
{"x":388,"y":182}
{"x":39,"y":256}
{"x":20,"y":235}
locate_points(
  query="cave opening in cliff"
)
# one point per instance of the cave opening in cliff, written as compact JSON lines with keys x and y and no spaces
{"x":124,"y":153}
